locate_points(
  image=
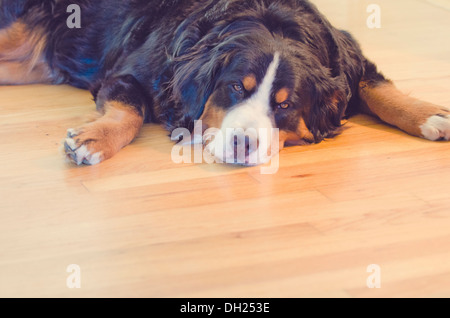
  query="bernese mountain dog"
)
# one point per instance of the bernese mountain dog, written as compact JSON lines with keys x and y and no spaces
{"x":234,"y":65}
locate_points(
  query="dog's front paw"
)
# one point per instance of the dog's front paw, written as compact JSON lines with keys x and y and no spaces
{"x":100,"y":140}
{"x":437,"y":127}
{"x":82,"y":148}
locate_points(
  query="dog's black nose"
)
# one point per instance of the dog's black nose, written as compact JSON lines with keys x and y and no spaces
{"x":244,"y":144}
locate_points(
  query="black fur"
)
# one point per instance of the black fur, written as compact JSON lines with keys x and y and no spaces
{"x":168,"y":57}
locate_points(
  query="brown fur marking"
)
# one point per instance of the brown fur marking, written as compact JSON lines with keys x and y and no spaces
{"x":282,"y":95}
{"x":302,"y":135}
{"x":21,"y":56}
{"x":212,"y":116}
{"x":249,"y":82}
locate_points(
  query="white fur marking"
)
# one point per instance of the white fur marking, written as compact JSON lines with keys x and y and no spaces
{"x":95,"y":159}
{"x":71,"y":143}
{"x":436,"y":128}
{"x":82,"y":153}
{"x":71,"y":133}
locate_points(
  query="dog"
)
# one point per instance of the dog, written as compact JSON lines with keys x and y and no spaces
{"x":232,"y":64}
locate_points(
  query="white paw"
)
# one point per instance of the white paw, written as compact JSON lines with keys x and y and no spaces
{"x":79,"y":154}
{"x":437,"y":127}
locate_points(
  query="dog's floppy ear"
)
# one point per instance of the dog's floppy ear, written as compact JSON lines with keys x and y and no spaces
{"x":199,"y":57}
{"x":328,"y":102}
{"x":328,"y":84}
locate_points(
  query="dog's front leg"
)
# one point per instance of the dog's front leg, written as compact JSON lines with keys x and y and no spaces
{"x":122,"y":104}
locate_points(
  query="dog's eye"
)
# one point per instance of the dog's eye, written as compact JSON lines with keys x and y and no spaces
{"x":283,"y":106}
{"x":238,"y":88}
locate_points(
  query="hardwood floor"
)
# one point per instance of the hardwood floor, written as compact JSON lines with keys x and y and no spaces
{"x":141,"y":225}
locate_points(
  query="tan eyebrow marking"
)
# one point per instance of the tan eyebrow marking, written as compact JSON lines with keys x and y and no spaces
{"x":282,"y":95}
{"x":249,"y":82}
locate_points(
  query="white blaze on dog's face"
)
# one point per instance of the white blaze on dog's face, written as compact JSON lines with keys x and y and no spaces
{"x":247,"y":129}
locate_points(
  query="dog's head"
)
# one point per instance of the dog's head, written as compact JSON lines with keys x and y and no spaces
{"x":260,"y":70}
